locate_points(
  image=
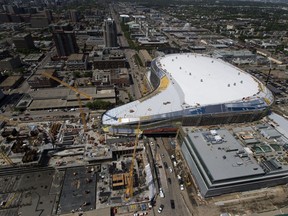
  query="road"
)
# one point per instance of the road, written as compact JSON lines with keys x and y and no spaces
{"x":172,"y":191}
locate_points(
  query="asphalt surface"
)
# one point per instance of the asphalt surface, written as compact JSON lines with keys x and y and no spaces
{"x":171,"y":191}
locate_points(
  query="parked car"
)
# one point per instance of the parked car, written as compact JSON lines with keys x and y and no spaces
{"x":160,"y":209}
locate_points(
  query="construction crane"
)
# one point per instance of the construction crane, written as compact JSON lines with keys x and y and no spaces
{"x":78,"y":94}
{"x":81,"y":111}
{"x":67,"y":85}
{"x":130,"y":183}
{"x":6,"y":158}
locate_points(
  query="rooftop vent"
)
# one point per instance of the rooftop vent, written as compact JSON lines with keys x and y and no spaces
{"x":234,"y":84}
{"x":201,"y":80}
{"x":228,"y":85}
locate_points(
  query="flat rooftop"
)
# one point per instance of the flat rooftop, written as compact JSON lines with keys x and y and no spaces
{"x":221,"y":159}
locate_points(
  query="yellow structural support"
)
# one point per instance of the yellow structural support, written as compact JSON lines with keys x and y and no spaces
{"x":163,"y":83}
{"x":6,"y":158}
{"x":67,"y":85}
{"x":130,"y":183}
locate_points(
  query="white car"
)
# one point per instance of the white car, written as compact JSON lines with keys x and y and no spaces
{"x":161,"y":193}
{"x":160,"y":209}
{"x":181,"y":187}
{"x":170,"y":169}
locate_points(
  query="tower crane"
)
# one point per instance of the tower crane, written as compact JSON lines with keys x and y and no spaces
{"x":6,"y":158}
{"x":78,"y":94}
{"x":130,"y":183}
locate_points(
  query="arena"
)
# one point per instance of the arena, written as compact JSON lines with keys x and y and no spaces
{"x":194,"y":89}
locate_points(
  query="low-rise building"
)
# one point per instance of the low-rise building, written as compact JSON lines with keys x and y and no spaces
{"x":10,"y":63}
{"x":39,"y":81}
{"x":145,"y":57}
{"x":77,"y":62}
{"x":11,"y":82}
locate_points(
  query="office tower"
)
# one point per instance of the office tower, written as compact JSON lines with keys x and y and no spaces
{"x":110,"y":33}
{"x":23,"y":41}
{"x":65,"y":42}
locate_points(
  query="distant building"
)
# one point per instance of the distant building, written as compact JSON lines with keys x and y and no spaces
{"x":74,"y":16}
{"x":145,"y":58}
{"x":23,"y":41}
{"x":40,"y":20}
{"x":10,"y":63}
{"x":39,"y":81}
{"x":110,"y":33}
{"x":77,"y":62}
{"x":119,"y":77}
{"x":48,"y":14}
{"x":11,"y":9}
{"x":111,"y":59}
{"x":11,"y":82}
{"x":4,"y":18}
{"x":1,"y":95}
{"x":61,"y":27}
{"x":4,"y":54}
{"x":65,"y":42}
{"x":33,"y":58}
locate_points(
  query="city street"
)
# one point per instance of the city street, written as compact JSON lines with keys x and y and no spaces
{"x":171,"y":190}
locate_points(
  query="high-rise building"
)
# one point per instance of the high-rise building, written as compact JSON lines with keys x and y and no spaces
{"x":65,"y":42}
{"x":74,"y":16}
{"x":23,"y":41}
{"x":110,"y":33}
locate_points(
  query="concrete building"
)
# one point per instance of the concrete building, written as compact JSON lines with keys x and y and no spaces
{"x":33,"y":58}
{"x":119,"y":77}
{"x":77,"y":62}
{"x":65,"y":42}
{"x":61,"y":27}
{"x":220,"y":164}
{"x":10,"y":63}
{"x":110,"y":33}
{"x":23,"y":41}
{"x":40,"y":20}
{"x":110,"y":59}
{"x":11,"y":82}
{"x":39,"y":81}
{"x":4,"y":18}
{"x":145,"y":58}
{"x":74,"y":16}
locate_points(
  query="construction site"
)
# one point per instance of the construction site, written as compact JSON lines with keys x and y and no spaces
{"x":74,"y":166}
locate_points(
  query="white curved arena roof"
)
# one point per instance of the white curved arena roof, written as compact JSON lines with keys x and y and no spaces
{"x":205,"y":80}
{"x":194,"y":80}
